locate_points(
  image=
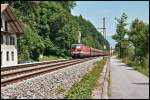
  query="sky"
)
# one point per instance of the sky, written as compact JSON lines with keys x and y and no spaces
{"x":94,"y":11}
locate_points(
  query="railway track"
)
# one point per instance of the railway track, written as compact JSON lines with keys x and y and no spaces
{"x":17,"y":73}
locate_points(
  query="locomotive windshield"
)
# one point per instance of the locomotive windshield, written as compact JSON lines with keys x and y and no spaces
{"x":73,"y":46}
{"x":76,"y":46}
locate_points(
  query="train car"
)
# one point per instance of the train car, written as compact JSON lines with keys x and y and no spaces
{"x":96,"y":52}
{"x":81,"y":50}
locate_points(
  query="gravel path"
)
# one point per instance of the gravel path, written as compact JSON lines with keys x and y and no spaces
{"x":127,"y":83}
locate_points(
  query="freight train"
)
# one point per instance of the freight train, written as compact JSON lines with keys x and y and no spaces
{"x":81,"y":51}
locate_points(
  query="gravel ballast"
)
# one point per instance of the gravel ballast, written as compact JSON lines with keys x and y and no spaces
{"x":52,"y":85}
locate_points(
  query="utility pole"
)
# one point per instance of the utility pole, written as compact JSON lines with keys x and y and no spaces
{"x":79,"y":38}
{"x":104,"y":31}
{"x":104,"y":28}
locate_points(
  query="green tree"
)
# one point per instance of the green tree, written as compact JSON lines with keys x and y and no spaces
{"x":120,"y":33}
{"x":139,"y":36}
{"x":68,"y":5}
{"x":30,"y":45}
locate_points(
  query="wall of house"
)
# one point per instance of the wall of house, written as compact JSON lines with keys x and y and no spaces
{"x":4,"y":18}
{"x":12,"y":60}
{"x":10,"y":49}
{"x":3,"y":22}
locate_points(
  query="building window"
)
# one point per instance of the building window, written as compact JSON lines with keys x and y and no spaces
{"x":1,"y":58}
{"x":12,"y":40}
{"x":12,"y":56}
{"x":6,"y":26}
{"x":2,"y":40}
{"x":1,"y":23}
{"x":7,"y":40}
{"x":7,"y":56}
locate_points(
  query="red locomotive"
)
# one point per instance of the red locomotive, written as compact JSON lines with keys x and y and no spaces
{"x":81,"y":50}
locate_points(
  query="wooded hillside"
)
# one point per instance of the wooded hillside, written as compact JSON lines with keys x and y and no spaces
{"x":50,"y":29}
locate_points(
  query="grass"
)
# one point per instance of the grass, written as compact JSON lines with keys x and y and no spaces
{"x":47,"y":58}
{"x":83,"y":89}
{"x":142,"y":69}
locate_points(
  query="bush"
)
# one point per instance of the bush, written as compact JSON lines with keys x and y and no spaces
{"x":47,"y":58}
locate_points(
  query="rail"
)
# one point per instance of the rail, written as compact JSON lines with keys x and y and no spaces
{"x":13,"y":75}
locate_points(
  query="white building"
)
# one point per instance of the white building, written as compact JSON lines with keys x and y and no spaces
{"x":11,"y":28}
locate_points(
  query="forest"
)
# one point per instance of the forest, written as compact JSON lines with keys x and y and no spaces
{"x":50,"y":29}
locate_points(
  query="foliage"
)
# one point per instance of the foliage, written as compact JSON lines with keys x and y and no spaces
{"x":136,"y":66}
{"x":50,"y":28}
{"x":47,"y":58}
{"x":121,"y":31}
{"x":135,"y":49}
{"x":83,"y":89}
{"x":30,"y":44}
{"x":139,"y":36}
{"x":68,"y":5}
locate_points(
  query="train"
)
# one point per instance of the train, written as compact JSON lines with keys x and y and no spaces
{"x":82,"y":51}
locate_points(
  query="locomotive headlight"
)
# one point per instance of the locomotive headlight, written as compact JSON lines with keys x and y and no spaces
{"x":78,"y":47}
